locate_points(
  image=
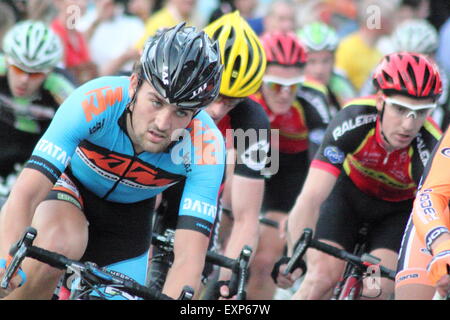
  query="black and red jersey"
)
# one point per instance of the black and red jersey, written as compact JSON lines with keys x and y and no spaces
{"x":246,"y":129}
{"x":353,"y":143}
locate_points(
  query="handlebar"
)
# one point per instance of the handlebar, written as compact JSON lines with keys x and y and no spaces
{"x":269,"y":222}
{"x":365,"y":261}
{"x":239,"y":266}
{"x":87,"y":270}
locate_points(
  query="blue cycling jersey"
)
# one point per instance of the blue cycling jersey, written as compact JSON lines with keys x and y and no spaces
{"x":88,"y":133}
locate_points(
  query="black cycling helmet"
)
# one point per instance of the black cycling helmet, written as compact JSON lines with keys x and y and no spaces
{"x":183,"y":65}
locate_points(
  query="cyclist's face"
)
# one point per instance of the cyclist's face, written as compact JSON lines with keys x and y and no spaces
{"x":153,"y":119}
{"x":400,"y":126}
{"x":320,"y":66}
{"x":221,"y":106}
{"x":24,"y":84}
{"x":280,"y":85}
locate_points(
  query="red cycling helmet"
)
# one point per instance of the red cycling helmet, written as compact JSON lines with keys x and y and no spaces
{"x":283,"y":49}
{"x":409,"y":74}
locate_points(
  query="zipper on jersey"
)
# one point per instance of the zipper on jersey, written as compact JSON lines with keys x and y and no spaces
{"x":121,"y":177}
{"x":386,"y":158}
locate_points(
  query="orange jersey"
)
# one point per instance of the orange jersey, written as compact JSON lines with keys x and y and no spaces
{"x":430,"y":213}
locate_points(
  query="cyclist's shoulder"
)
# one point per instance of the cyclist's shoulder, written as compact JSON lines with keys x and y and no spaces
{"x":312,"y":87}
{"x":338,"y":78}
{"x":59,"y":84}
{"x":249,"y":114}
{"x":103,"y":86}
{"x":357,"y":113}
{"x":205,"y":121}
{"x":368,"y":103}
{"x":431,"y":130}
{"x":206,"y":146}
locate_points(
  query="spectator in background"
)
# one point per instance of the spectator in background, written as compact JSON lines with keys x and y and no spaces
{"x":42,"y":10}
{"x":7,"y":20}
{"x":420,"y":36}
{"x":110,"y":32}
{"x":407,"y":10}
{"x":77,"y":60}
{"x":357,"y":54}
{"x":443,"y":53}
{"x":280,"y":16}
{"x":413,"y":9}
{"x":246,"y":9}
{"x":19,"y":8}
{"x":141,"y":8}
{"x":173,"y":12}
{"x":225,"y":6}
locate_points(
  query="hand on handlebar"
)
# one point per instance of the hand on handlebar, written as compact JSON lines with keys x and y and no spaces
{"x":437,"y":268}
{"x":281,"y":279}
{"x":15,"y":282}
{"x":443,"y":286}
{"x":224,"y":291}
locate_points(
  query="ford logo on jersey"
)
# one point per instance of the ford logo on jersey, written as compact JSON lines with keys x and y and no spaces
{"x":334,"y":154}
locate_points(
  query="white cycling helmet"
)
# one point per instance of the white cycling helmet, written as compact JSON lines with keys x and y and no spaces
{"x":318,"y":36}
{"x":415,"y":36}
{"x":32,"y":46}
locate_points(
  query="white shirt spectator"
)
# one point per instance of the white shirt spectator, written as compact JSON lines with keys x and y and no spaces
{"x":111,"y":38}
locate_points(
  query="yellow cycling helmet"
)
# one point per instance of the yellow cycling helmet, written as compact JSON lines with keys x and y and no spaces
{"x":242,"y":54}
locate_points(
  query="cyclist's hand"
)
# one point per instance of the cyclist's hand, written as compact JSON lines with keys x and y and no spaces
{"x":224,"y":291}
{"x":13,"y":284}
{"x":285,"y":281}
{"x":443,"y":285}
{"x":437,"y":268}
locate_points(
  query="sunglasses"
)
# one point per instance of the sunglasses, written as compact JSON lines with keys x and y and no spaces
{"x":277,"y":84}
{"x":229,"y":101}
{"x":32,"y":75}
{"x":410,"y":110}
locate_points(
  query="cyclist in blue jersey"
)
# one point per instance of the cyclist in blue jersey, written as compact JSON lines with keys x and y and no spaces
{"x":112,"y":146}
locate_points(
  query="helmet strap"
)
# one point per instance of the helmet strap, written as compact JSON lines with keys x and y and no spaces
{"x":381,"y":124}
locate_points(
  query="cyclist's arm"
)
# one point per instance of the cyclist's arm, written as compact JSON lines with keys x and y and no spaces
{"x":324,"y":171}
{"x":430,"y":211}
{"x":198,"y":207}
{"x":247,"y":181}
{"x":305,"y":213}
{"x":246,"y":199}
{"x":188,"y":263}
{"x":29,"y":190}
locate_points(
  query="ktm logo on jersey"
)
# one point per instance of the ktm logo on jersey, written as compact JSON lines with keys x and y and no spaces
{"x":135,"y":172}
{"x":105,"y":97}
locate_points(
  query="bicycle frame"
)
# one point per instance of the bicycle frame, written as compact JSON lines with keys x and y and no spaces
{"x":350,"y":286}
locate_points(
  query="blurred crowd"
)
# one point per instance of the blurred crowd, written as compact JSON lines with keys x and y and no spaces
{"x":104,"y":37}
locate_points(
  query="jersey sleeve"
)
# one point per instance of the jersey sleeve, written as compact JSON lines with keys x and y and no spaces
{"x":205,"y":171}
{"x":430,"y":210}
{"x":251,"y":137}
{"x":76,"y":119}
{"x":343,"y":136}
